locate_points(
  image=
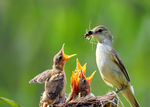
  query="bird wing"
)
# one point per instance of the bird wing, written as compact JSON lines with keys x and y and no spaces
{"x":42,"y":77}
{"x":55,"y":85}
{"x":120,"y":64}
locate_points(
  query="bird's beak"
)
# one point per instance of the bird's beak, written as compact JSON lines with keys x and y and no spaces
{"x":82,"y":75}
{"x":80,"y":68}
{"x":89,"y":79}
{"x":78,"y":65}
{"x":74,"y":81}
{"x":89,"y":33}
{"x":84,"y":69}
{"x":66,"y":57}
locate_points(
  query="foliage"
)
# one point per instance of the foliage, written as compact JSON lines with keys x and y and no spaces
{"x":33,"y":31}
{"x":12,"y":103}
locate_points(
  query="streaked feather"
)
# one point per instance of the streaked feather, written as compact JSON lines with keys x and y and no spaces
{"x":120,"y":64}
{"x":42,"y":77}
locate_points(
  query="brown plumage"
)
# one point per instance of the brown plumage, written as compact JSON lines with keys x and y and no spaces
{"x":85,"y":85}
{"x":111,"y":68}
{"x":55,"y":80}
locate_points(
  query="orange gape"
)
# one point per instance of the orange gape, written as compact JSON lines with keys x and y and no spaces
{"x":54,"y":79}
{"x":74,"y":81}
{"x":77,"y":76}
{"x":81,"y":70}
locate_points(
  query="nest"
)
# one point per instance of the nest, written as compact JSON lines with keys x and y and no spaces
{"x":109,"y":100}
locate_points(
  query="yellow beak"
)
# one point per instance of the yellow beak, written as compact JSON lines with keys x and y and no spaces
{"x":66,"y":57}
{"x":89,"y":79}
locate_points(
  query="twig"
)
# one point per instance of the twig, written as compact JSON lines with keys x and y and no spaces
{"x":109,"y":100}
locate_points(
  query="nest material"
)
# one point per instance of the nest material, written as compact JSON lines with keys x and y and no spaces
{"x":108,"y":100}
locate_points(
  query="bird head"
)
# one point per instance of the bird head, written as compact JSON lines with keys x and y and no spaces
{"x":85,"y":83}
{"x":60,"y":58}
{"x":100,"y":33}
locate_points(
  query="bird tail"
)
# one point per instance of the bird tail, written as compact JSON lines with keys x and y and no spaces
{"x":129,"y":95}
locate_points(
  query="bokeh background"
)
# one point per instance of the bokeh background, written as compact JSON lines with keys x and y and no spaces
{"x":33,"y":31}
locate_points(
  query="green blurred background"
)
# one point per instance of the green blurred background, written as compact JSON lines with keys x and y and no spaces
{"x":33,"y":31}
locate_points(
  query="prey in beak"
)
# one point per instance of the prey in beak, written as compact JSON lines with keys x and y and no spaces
{"x":88,"y":34}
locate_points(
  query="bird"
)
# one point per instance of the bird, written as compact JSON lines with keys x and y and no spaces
{"x":80,"y":84}
{"x":54,"y":79}
{"x":85,"y":86}
{"x":75,"y":81}
{"x":111,"y":68}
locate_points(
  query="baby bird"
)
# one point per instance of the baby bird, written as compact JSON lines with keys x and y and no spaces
{"x":55,"y":80}
{"x":75,"y":81}
{"x":85,"y":85}
{"x":80,"y":84}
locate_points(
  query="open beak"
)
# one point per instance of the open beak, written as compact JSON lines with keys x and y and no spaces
{"x":84,"y":69}
{"x":78,"y":65}
{"x":66,"y":57}
{"x":82,"y":75}
{"x":80,"y":68}
{"x":89,"y":79}
{"x":74,"y":81}
{"x":89,"y":33}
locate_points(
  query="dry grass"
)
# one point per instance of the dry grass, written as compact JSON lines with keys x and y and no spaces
{"x":108,"y":100}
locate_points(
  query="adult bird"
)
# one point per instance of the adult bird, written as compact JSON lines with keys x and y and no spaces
{"x":55,"y":80}
{"x":111,"y":68}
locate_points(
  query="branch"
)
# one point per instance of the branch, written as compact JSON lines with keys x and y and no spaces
{"x":108,"y":100}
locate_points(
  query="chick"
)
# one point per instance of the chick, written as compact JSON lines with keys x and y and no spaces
{"x":55,"y":80}
{"x":80,"y":84}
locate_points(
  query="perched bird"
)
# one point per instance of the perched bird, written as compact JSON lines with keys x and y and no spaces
{"x":111,"y":68}
{"x":55,"y":80}
{"x":80,"y":84}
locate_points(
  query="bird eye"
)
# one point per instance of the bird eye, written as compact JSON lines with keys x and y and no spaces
{"x":90,"y":32}
{"x":100,"y":30}
{"x":60,"y":57}
{"x":84,"y":81}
